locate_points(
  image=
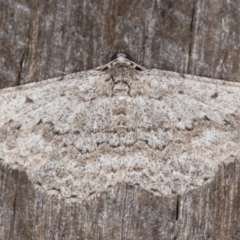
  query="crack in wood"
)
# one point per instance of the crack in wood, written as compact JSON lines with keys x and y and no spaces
{"x":192,"y":26}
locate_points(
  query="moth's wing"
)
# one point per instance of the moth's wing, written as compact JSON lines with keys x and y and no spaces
{"x":43,"y":125}
{"x":32,"y":99}
{"x":51,"y":102}
{"x":194,"y":98}
{"x":202,"y":114}
{"x":196,"y":119}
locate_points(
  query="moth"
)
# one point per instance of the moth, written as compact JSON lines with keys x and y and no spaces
{"x":120,"y":122}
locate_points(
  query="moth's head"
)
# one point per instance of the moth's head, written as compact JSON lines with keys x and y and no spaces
{"x":121,"y":54}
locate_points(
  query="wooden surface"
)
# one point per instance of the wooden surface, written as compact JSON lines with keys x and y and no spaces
{"x":187,"y":36}
{"x":198,"y":37}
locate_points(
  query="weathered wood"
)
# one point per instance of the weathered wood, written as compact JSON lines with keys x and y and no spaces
{"x":199,"y":37}
{"x":121,"y":154}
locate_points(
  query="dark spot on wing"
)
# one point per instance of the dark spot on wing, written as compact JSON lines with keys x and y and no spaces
{"x":215,"y":95}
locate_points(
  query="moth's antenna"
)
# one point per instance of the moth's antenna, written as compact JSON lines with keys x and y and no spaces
{"x":121,"y":58}
{"x":57,"y":71}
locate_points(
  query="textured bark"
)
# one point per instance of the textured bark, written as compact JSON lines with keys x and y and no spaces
{"x":121,"y":154}
{"x":198,"y":37}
